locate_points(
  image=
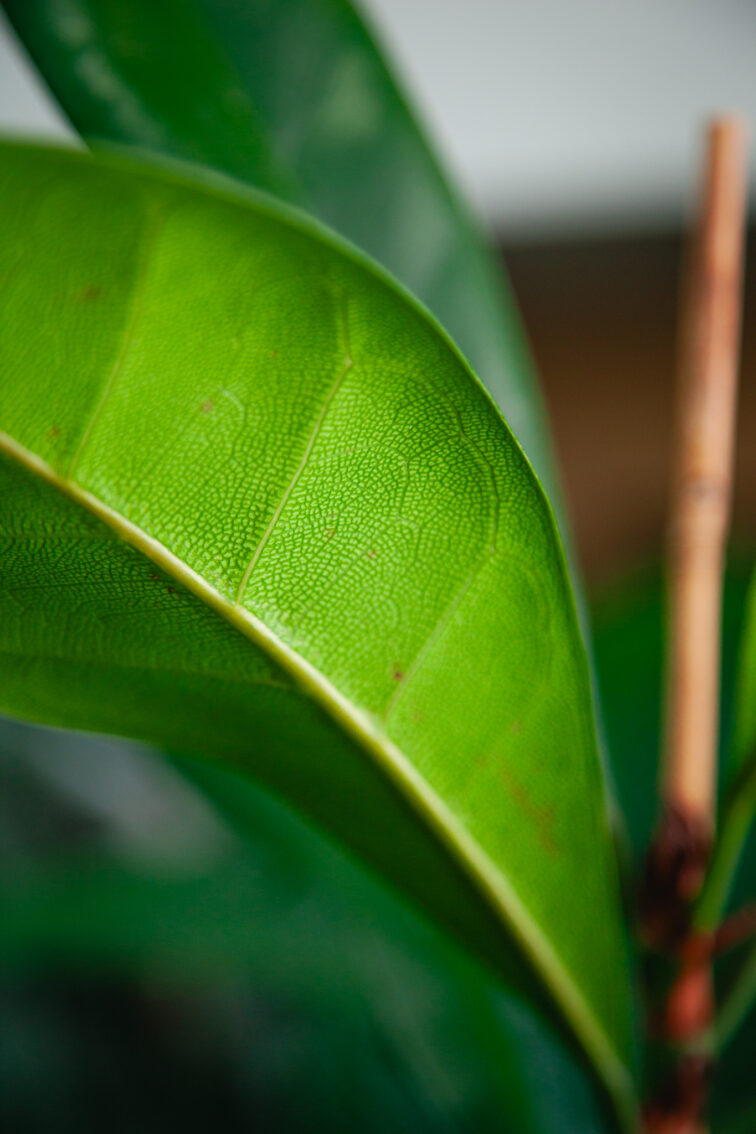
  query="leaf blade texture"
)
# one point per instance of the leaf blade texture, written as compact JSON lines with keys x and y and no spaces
{"x":372,"y":611}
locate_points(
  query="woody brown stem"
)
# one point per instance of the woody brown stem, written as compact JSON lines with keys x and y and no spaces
{"x":702,"y":483}
{"x":699,"y":517}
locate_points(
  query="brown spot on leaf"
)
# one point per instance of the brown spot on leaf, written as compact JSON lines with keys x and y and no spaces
{"x":371,"y":553}
{"x":396,"y":673}
{"x":54,"y":432}
{"x":208,"y":406}
{"x":330,"y":533}
{"x":516,"y":726}
{"x":541,"y":817}
{"x":89,"y":294}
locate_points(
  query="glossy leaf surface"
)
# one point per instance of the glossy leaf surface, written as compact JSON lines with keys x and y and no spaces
{"x":292,"y":96}
{"x":255,"y":505}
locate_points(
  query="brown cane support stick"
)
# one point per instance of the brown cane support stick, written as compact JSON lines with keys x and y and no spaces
{"x":703,"y":479}
{"x":699,"y":518}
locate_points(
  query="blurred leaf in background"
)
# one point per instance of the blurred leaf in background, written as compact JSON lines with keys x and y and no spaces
{"x":268,"y":976}
{"x":628,"y":619}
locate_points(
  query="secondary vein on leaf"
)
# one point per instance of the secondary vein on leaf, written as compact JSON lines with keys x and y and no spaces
{"x":346,"y":367}
{"x":149,"y":235}
{"x":456,"y":601}
{"x":438,"y":629}
{"x":489,"y":467}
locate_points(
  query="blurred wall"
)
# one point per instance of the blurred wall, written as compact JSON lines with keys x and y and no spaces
{"x":559,"y":114}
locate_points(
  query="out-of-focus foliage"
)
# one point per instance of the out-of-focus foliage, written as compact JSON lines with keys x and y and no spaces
{"x":734,"y":1100}
{"x":744,"y":741}
{"x":628,"y":628}
{"x":272,"y":979}
{"x":629,"y":642}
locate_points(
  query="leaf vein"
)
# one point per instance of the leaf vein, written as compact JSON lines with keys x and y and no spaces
{"x":345,"y":368}
{"x":146,"y":245}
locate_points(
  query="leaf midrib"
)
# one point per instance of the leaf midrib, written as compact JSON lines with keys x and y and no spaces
{"x":367,"y":731}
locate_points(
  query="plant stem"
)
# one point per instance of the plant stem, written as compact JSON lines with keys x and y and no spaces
{"x":702,"y":478}
{"x":699,"y":516}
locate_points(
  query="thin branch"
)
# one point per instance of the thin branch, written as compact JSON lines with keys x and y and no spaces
{"x":703,"y":476}
{"x":679,"y":856}
{"x":700,"y":507}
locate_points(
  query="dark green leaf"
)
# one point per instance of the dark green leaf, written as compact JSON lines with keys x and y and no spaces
{"x":734,"y":1100}
{"x":732,"y":877}
{"x":628,"y":638}
{"x":744,"y":743}
{"x":393,"y":1028}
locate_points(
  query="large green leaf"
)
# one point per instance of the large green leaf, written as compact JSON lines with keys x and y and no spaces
{"x":255,"y":505}
{"x":291,"y":96}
